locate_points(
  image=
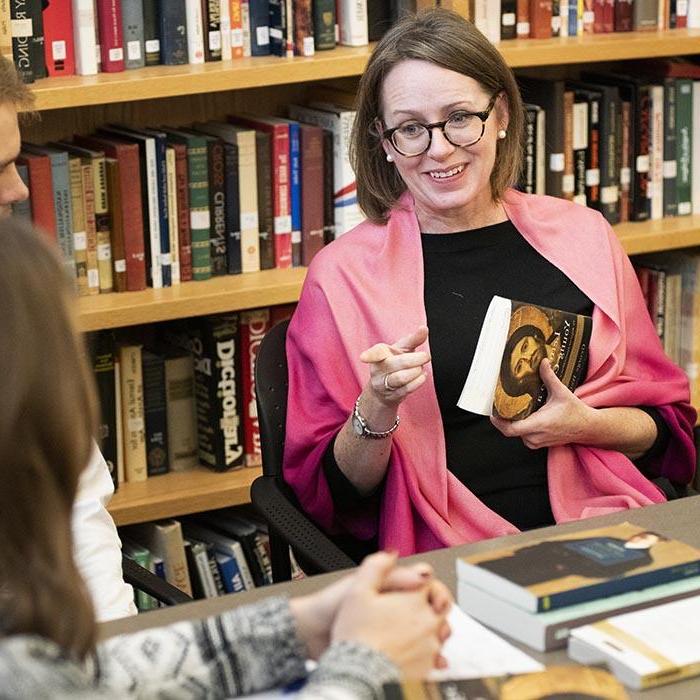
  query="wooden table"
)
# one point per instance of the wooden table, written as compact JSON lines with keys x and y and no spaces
{"x":679,"y":519}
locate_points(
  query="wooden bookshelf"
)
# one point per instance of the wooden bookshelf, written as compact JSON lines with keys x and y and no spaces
{"x":217,"y":295}
{"x":661,"y":234}
{"x":170,"y":81}
{"x":180,"y":493}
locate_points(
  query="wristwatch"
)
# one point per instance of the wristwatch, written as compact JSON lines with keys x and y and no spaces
{"x":359,"y":426}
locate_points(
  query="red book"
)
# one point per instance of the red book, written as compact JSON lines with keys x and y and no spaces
{"x":127,"y":155}
{"x":254,"y":325}
{"x":540,"y":19}
{"x":281,"y":186}
{"x":624,"y":19}
{"x":609,"y":16}
{"x":183,"y":211}
{"x":311,"y":185}
{"x":280,"y":313}
{"x":599,"y":16}
{"x":59,"y":51}
{"x":41,"y":192}
{"x":109,"y":28}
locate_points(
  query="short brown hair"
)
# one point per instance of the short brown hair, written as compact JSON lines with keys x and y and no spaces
{"x":47,"y":420}
{"x":12,"y":89}
{"x":444,"y":38}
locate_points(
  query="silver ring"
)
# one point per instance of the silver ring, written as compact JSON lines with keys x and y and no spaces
{"x":388,"y":386}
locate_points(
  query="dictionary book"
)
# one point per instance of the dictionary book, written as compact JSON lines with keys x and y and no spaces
{"x":504,"y":378}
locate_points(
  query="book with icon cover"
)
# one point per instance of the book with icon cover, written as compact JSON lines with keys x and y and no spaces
{"x":560,"y":571}
{"x":554,"y":682}
{"x":504,"y":378}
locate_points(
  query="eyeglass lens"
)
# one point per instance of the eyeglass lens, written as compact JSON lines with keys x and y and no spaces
{"x":460,"y":129}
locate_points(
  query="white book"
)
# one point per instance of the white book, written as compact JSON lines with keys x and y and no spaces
{"x":171,"y":183}
{"x":339,"y":121}
{"x":195,"y":31}
{"x":225,"y":19}
{"x":645,"y":648}
{"x":564,"y":17}
{"x":695,"y":156}
{"x":245,"y":26}
{"x":541,"y":156}
{"x":656,"y":151}
{"x":693,"y":14}
{"x":352,"y":22}
{"x":85,"y":37}
{"x":580,"y":138}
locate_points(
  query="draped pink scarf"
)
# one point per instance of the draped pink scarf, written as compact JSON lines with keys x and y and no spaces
{"x":367,"y":287}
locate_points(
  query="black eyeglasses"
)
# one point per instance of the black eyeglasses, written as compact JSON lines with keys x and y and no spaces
{"x":460,"y":129}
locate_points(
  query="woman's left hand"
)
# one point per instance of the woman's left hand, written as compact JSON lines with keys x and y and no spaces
{"x":564,"y":419}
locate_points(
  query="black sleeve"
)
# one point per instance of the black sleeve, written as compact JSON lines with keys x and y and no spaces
{"x":345,"y":495}
{"x":663,"y":435}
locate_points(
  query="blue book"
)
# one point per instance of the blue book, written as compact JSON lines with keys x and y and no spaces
{"x":173,"y":32}
{"x":259,"y":27}
{"x":60,"y":177}
{"x":295,"y":188}
{"x":573,"y":18}
{"x":230,"y":573}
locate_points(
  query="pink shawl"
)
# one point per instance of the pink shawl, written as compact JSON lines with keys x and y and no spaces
{"x":367,"y":287}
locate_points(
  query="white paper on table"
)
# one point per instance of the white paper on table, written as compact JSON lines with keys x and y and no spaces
{"x":473,"y":651}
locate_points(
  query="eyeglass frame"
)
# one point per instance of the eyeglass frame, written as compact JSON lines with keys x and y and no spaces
{"x":483,"y":115}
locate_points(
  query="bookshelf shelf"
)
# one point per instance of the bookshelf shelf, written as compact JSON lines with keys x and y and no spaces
{"x":181,"y":493}
{"x":217,"y":295}
{"x":170,"y":81}
{"x":239,"y":292}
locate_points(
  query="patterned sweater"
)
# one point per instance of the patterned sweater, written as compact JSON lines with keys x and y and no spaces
{"x":239,"y":652}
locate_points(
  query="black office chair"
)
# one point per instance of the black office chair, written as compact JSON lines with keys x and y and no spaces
{"x":148,"y":582}
{"x":288,"y":524}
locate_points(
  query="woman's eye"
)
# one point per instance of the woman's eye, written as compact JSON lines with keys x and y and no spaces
{"x":411,"y":130}
{"x":460,"y":119}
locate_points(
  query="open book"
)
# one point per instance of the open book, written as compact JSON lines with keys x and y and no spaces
{"x":515,"y":337}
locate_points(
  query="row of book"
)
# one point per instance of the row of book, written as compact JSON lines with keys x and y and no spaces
{"x":180,"y":394}
{"x":131,"y":207}
{"x":544,"y":19}
{"x":620,"y":143}
{"x":204,"y":555}
{"x":65,"y":37}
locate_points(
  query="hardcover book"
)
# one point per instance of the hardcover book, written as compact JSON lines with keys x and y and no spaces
{"x":515,"y":337}
{"x":559,"y":571}
{"x":59,"y":50}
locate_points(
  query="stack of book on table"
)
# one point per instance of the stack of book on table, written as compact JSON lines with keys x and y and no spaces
{"x":538,"y":592}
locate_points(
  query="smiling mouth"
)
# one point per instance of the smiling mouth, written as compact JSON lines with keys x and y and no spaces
{"x":444,"y":174}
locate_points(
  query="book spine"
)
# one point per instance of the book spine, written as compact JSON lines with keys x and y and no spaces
{"x":593,"y":154}
{"x":324,"y":24}
{"x":59,"y":50}
{"x":218,"y":392}
{"x":119,"y":265}
{"x":259,"y":18}
{"x":522,"y":28}
{"x":695,"y":159}
{"x":247,"y":46}
{"x":640,"y":196}
{"x":230,"y":573}
{"x":217,"y":207}
{"x":264,"y":169}
{"x":103,"y":367}
{"x":200,"y":220}
{"x":684,"y":143}
{"x":5,"y":29}
{"x":248,"y":197}
{"x":567,"y":180}
{"x":304,"y":44}
{"x":132,"y":413}
{"x":37,"y":41}
{"x":352,"y":21}
{"x":152,"y":10}
{"x":646,"y":16}
{"x":181,"y":413}
{"x":580,"y":147}
{"x":656,"y":201}
{"x":60,"y":178}
{"x":109,"y":24}
{"x":155,"y":414}
{"x":254,"y":325}
{"x":540,"y":19}
{"x":22,"y":28}
{"x":556,"y":18}
{"x":225,"y":18}
{"x":232,"y":209}
{"x":211,"y":20}
{"x":328,"y":188}
{"x":85,"y":37}
{"x":183,"y":213}
{"x":78,"y":219}
{"x":173,"y":33}
{"x":295,"y":191}
{"x":624,"y":19}
{"x":527,"y":181}
{"x":173,"y":222}
{"x":133,"y":30}
{"x":281,"y":196}
{"x":161,"y":208}
{"x":41,"y":190}
{"x":195,"y":31}
{"x":609,"y":170}
{"x":104,"y":254}
{"x":130,"y":189}
{"x":236,"y":29}
{"x":121,"y":447}
{"x":508,"y":19}
{"x":277,"y":25}
{"x":625,"y":162}
{"x":93,"y":273}
{"x":312,"y":209}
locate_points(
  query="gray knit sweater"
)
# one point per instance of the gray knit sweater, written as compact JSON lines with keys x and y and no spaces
{"x":243,"y":651}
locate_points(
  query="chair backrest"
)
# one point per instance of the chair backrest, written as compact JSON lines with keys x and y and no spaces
{"x":271,"y":385}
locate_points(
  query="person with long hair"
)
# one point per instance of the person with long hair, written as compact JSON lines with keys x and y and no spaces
{"x":388,"y":320}
{"x":367,"y":628}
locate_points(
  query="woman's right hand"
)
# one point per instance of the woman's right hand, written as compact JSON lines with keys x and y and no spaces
{"x":396,"y":370}
{"x":405,"y":625}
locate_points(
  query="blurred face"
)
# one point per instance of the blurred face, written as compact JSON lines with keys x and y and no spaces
{"x":450,"y":184}
{"x":526,"y":357}
{"x":12,"y":189}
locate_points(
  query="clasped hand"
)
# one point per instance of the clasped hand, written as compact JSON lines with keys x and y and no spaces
{"x":398,"y":611}
{"x":564,"y":419}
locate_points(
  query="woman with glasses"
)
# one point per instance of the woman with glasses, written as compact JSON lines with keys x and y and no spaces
{"x":376,"y":447}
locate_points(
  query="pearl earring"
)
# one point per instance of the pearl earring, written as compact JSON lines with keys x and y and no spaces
{"x":389,"y":158}
{"x":501,"y":133}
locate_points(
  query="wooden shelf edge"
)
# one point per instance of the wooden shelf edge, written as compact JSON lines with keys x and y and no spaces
{"x":181,"y":493}
{"x":169,"y":81}
{"x":670,"y":233}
